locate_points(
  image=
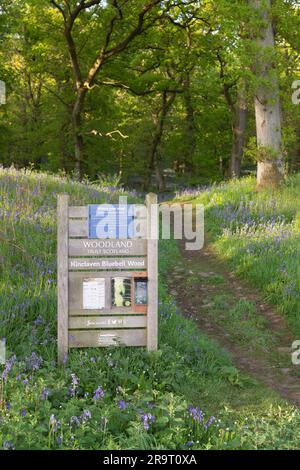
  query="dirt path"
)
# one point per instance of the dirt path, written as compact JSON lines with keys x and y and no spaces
{"x":235,"y":315}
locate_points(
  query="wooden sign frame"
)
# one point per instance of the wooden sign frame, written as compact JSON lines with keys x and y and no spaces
{"x":80,"y":258}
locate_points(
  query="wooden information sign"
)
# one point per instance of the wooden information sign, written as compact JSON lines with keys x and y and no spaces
{"x":106,"y":287}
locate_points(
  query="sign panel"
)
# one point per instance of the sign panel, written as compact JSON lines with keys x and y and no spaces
{"x":86,"y":247}
{"x":88,"y":322}
{"x":94,"y":338}
{"x":106,"y":263}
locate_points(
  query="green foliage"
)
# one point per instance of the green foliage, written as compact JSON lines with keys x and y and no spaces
{"x":197,"y":50}
{"x":261,"y":153}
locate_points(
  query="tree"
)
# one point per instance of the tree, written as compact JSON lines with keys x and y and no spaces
{"x":110,"y":47}
{"x":270,"y":168}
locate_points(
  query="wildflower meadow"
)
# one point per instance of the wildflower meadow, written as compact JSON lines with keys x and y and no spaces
{"x":188,"y":394}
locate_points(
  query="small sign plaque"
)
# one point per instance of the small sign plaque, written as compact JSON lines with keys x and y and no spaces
{"x":90,"y":264}
{"x":86,"y":247}
{"x":93,"y":294}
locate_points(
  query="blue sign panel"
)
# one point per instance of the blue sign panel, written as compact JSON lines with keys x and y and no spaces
{"x":111,"y":221}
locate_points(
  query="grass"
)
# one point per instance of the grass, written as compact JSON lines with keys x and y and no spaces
{"x":258,"y":234}
{"x":112,"y":398}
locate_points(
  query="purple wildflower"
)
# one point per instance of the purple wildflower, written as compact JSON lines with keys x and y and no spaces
{"x":8,"y":366}
{"x":74,"y":420}
{"x":53,"y":423}
{"x":23,"y":413}
{"x":147,"y":419}
{"x":34,"y":362}
{"x":8,"y":445}
{"x":73,"y":386}
{"x":123,"y":405}
{"x":45,"y":394}
{"x":86,"y":415}
{"x":209,"y":422}
{"x":98,"y":393}
{"x":196,"y":413}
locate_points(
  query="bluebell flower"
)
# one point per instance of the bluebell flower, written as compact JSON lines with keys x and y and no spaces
{"x":209,"y":422}
{"x":45,"y":394}
{"x":123,"y":405}
{"x":53,"y":423}
{"x":86,"y":415}
{"x":147,"y":419}
{"x":8,"y":445}
{"x":34,"y":362}
{"x":73,"y":386}
{"x":196,"y":413}
{"x":98,"y":393}
{"x":8,"y":366}
{"x":74,"y":420}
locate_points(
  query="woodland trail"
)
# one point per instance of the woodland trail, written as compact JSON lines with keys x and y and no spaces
{"x":235,"y":315}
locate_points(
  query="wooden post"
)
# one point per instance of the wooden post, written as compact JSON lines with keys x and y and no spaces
{"x":152,"y":249}
{"x":62,"y":276}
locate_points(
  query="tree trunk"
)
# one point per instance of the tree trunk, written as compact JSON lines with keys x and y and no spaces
{"x":270,"y":168}
{"x":238,"y":132}
{"x":77,"y":129}
{"x":190,"y":124}
{"x":154,"y":163}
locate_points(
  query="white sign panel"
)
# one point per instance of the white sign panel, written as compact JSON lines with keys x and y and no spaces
{"x":93,"y":294}
{"x":90,"y":264}
{"x":2,"y":351}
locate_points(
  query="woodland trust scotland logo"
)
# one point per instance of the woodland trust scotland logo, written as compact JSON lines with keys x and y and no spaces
{"x":129,"y":221}
{"x":2,"y":92}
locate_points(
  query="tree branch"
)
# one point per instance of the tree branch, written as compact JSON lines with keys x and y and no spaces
{"x":105,"y":54}
{"x":56,"y":5}
{"x":135,"y":32}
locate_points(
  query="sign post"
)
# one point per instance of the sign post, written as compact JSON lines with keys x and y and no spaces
{"x":107,"y":285}
{"x":62,"y":275}
{"x":152,"y":266}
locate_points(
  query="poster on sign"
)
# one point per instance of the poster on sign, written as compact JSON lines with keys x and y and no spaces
{"x":93,"y":294}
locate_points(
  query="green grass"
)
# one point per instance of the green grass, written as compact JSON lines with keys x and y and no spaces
{"x":259,"y":235}
{"x":40,"y":408}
